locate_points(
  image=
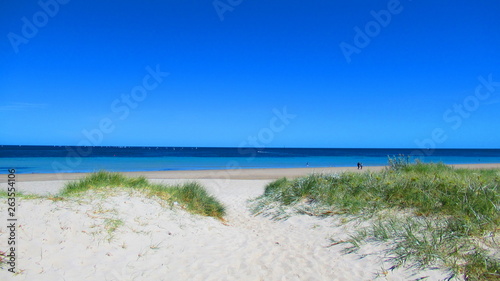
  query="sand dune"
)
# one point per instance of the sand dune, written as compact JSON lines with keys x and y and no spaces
{"x":76,"y":239}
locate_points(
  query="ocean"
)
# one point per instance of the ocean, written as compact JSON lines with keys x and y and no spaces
{"x":70,"y":159}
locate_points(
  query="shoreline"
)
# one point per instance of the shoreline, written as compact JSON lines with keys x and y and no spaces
{"x":239,"y":174}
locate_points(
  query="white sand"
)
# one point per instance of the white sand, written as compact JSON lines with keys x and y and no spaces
{"x":69,"y":240}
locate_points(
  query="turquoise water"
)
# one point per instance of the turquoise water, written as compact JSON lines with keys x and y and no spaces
{"x":66,"y":159}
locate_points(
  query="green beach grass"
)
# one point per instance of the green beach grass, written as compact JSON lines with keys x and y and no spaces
{"x":428,"y":213}
{"x":190,"y":195}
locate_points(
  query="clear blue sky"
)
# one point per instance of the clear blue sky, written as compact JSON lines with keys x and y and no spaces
{"x":371,"y":74}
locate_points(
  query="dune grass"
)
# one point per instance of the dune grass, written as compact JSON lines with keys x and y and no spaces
{"x":3,"y":259}
{"x":18,"y":194}
{"x":190,"y":195}
{"x":454,"y":213}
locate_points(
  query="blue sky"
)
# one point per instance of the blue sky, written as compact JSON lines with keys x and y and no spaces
{"x":402,"y":74}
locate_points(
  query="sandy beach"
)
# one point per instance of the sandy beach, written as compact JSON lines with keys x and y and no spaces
{"x":244,"y":174}
{"x":127,"y":236}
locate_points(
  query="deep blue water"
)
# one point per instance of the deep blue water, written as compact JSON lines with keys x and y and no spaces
{"x":51,"y":159}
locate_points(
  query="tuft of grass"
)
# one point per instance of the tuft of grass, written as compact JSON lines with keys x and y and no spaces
{"x":452,"y":210}
{"x":398,"y":162}
{"x":103,"y":179}
{"x":198,"y":200}
{"x":190,"y":195}
{"x":111,"y":225}
{"x":5,"y":194}
{"x":3,"y":259}
{"x":481,"y":267}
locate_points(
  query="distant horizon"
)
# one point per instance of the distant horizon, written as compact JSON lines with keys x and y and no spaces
{"x":267,"y":147}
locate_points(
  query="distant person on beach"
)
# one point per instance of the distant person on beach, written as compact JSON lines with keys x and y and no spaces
{"x":360,"y":165}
